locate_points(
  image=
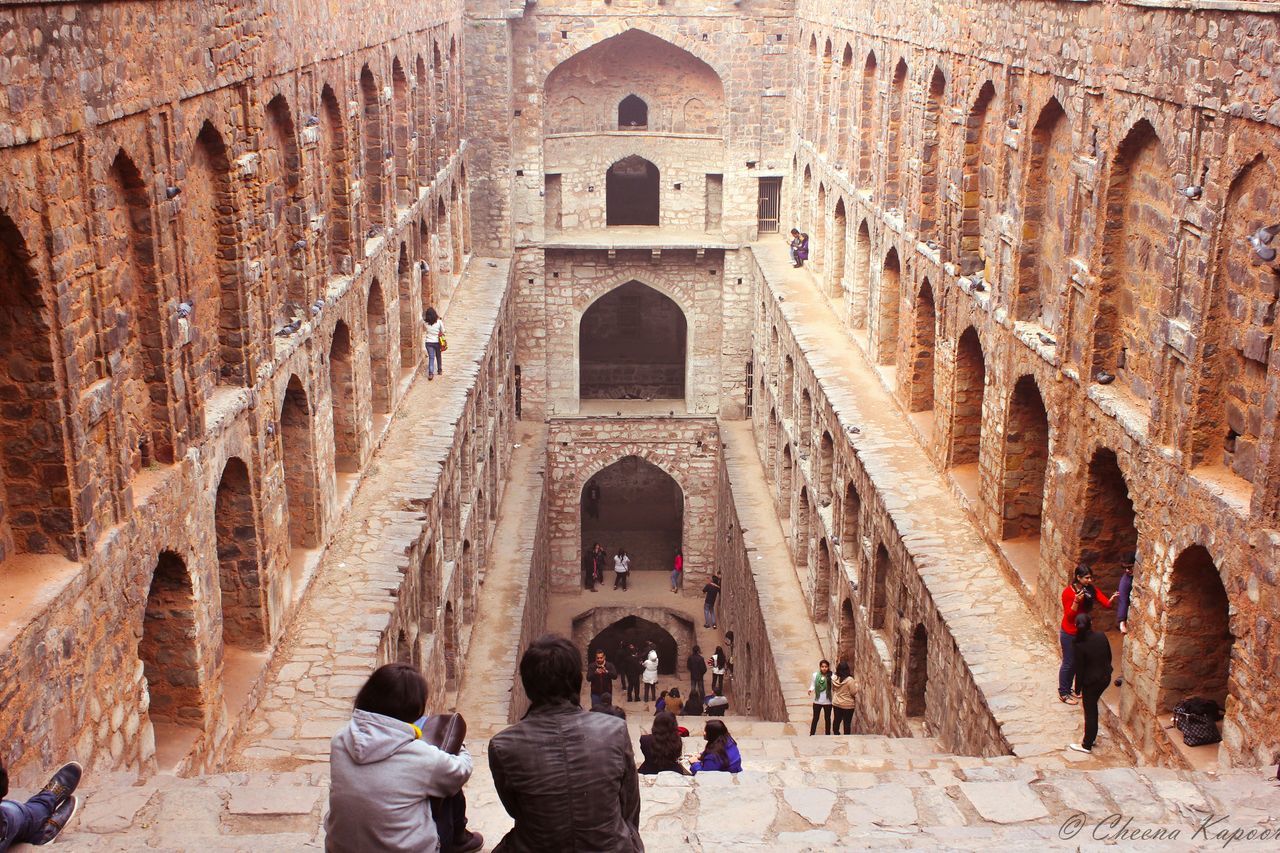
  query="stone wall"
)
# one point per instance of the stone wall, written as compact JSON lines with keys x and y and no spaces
{"x":687,"y":449}
{"x":214,"y":271}
{"x":1044,"y":248}
{"x":857,"y":569}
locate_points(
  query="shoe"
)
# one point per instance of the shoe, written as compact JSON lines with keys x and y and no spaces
{"x":57,"y":821}
{"x":1080,"y":748}
{"x":471,"y":841}
{"x":1067,"y":699}
{"x":64,"y":782}
{"x":431,"y":378}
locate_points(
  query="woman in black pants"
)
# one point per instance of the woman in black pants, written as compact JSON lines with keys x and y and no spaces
{"x":1093,"y":669}
{"x":820,"y":690}
{"x":842,"y":698}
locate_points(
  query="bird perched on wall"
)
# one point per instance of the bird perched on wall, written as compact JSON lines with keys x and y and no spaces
{"x":317,"y":307}
{"x":1192,"y":192}
{"x":185,"y":309}
{"x":1261,"y":239}
{"x":289,"y":328}
{"x":312,"y":120}
{"x":1045,"y":339}
{"x":300,"y":245}
{"x":1104,"y":378}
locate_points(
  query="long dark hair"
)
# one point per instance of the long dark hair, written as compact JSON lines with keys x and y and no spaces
{"x":719,"y":656}
{"x":1084,"y":624}
{"x":431,"y":316}
{"x":395,"y":690}
{"x":666,"y":738}
{"x":842,"y":670}
{"x":717,"y":735}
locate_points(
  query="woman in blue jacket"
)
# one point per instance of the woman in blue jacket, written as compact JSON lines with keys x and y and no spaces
{"x":721,"y":752}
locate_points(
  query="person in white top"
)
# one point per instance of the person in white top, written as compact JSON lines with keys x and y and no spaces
{"x":650,"y":677}
{"x":621,"y":565}
{"x":435,"y":328}
{"x":820,"y":690}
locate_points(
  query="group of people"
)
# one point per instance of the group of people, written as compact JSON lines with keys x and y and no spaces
{"x":832,"y":692}
{"x":639,"y":669}
{"x":1086,"y":665}
{"x":595,"y":561}
{"x":393,"y":790}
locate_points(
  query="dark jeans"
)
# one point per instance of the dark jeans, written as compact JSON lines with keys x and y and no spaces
{"x":825,"y":712}
{"x":620,"y":578}
{"x":633,"y":688}
{"x":1091,"y":694}
{"x":696,"y":685}
{"x":1066,"y":672}
{"x":717,"y":682}
{"x":650,"y":692}
{"x":24,"y":821}
{"x":844,"y":717}
{"x":450,"y":815}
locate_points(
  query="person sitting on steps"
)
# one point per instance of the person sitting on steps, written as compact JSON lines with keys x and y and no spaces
{"x":40,"y":819}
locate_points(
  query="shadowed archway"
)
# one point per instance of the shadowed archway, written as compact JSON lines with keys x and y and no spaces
{"x":632,"y":345}
{"x":634,"y":504}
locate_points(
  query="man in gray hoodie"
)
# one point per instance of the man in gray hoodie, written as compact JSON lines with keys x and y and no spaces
{"x":383,"y":775}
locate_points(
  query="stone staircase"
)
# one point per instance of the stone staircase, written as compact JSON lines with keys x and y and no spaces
{"x":796,"y":793}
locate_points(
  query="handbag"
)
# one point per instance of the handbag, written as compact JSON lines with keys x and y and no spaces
{"x":444,"y":345}
{"x":1197,"y":719}
{"x":445,"y":732}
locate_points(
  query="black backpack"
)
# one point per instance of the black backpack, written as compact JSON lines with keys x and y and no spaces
{"x":1197,"y":719}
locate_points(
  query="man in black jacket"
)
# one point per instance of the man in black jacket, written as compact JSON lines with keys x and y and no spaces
{"x":566,"y":776}
{"x":697,"y":671}
{"x":601,"y":678}
{"x":1093,"y":671}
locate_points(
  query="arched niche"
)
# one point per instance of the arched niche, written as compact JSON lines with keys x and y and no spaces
{"x":603,"y":75}
{"x":640,"y":508}
{"x":632,"y":192}
{"x":612,"y":362}
{"x":611,"y":629}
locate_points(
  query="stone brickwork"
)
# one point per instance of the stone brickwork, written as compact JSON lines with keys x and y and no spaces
{"x":686,"y":449}
{"x":215,"y":245}
{"x":1067,"y":239}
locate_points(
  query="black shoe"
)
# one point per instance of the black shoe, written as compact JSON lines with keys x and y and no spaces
{"x":64,"y":782}
{"x":57,"y":821}
{"x":467,"y":842}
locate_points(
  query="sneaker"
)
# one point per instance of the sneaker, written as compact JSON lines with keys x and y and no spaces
{"x":64,"y":782}
{"x":55,"y":823}
{"x":467,"y":842}
{"x":1080,"y":748}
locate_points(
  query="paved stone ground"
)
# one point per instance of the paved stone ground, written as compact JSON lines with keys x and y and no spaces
{"x":1012,"y":659}
{"x":796,"y":793}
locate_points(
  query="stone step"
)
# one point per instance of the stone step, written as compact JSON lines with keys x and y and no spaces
{"x":796,"y":793}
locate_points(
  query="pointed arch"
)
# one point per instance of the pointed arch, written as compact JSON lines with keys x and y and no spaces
{"x":1195,"y":655}
{"x":611,"y":367}
{"x":1137,"y":255}
{"x":866,"y":120}
{"x":375,"y":157}
{"x":923,"y":343}
{"x":298,"y":459}
{"x":839,"y":238}
{"x":169,"y":649}
{"x":895,"y":137}
{"x":404,"y":301}
{"x":380,"y":375}
{"x":1041,"y":261}
{"x":979,"y":179}
{"x":342,"y":387}
{"x":240,"y":569}
{"x":400,"y":143}
{"x":1108,"y":532}
{"x":1026,"y":458}
{"x":860,"y":291}
{"x":887,"y":298}
{"x":930,"y":143}
{"x":287,"y":255}
{"x":970,"y":379}
{"x":337,"y":205}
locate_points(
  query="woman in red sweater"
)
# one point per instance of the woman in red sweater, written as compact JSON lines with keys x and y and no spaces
{"x":1078,"y":597}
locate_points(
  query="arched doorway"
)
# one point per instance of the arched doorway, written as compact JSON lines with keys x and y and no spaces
{"x":239,"y":567}
{"x":634,"y":630}
{"x":847,"y":649}
{"x":1196,"y":657}
{"x":1108,"y":529}
{"x":634,"y":504}
{"x":171,"y":659}
{"x":632,"y":345}
{"x":631,"y":192}
{"x":917,"y":672}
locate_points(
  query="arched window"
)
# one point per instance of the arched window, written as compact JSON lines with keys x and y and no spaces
{"x":633,"y":113}
{"x":631,"y":192}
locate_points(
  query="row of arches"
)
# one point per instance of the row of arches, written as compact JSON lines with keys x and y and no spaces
{"x":1087,"y":265}
{"x":1012,"y":459}
{"x":167,"y":344}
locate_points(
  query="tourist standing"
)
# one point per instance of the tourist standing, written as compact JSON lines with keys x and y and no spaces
{"x":677,"y":572}
{"x":820,"y":689}
{"x":383,"y":775}
{"x":650,"y":676}
{"x":697,"y":672}
{"x":434,"y":335}
{"x":721,"y":752}
{"x":1078,"y":597}
{"x":842,"y":698}
{"x":632,"y":666}
{"x":600,"y":558}
{"x":799,"y":248}
{"x":1124,"y":592}
{"x":719,"y":664}
{"x":661,"y":748}
{"x":566,"y":776}
{"x":41,"y":818}
{"x":621,"y":566}
{"x":601,"y":679}
{"x":710,"y":591}
{"x":1093,"y":664}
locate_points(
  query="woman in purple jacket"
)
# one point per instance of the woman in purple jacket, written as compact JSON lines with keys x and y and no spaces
{"x":721,"y":752}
